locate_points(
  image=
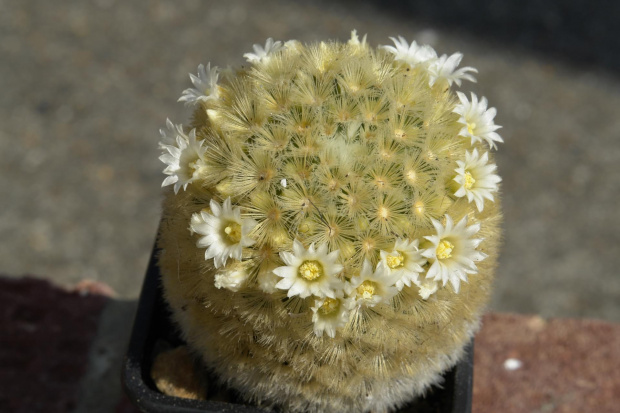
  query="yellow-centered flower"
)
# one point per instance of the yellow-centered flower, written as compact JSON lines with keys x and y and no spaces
{"x":311,"y":271}
{"x":404,"y":262}
{"x":224,"y":232}
{"x":477,"y":178}
{"x":371,"y":287}
{"x":452,"y":253}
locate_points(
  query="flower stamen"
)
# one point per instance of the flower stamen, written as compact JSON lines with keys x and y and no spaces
{"x":469,"y":180}
{"x":330,"y":306}
{"x":233,"y":232}
{"x":396,"y":260}
{"x":444,"y":249}
{"x":366,"y":289}
{"x":310,"y":270}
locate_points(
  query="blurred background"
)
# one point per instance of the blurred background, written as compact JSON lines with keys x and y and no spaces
{"x":85,"y":86}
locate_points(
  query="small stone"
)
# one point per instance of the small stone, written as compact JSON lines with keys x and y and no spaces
{"x":512,"y":364}
{"x":175,"y":374}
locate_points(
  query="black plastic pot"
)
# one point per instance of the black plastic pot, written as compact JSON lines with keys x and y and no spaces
{"x":153,"y":326}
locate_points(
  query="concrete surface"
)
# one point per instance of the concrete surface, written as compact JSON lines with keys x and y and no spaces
{"x":86,"y":86}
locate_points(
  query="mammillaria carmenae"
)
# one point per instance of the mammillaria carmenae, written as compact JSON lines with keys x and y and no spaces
{"x":330,"y":239}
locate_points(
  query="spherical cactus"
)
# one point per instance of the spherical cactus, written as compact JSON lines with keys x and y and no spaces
{"x":330,"y":239}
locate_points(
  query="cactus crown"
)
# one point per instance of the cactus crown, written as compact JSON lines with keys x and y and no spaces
{"x":328,"y":177}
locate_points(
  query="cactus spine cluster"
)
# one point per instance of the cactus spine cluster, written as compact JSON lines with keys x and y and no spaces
{"x":332,"y":233}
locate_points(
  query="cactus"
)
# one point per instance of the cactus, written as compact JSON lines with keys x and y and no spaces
{"x":330,"y":237}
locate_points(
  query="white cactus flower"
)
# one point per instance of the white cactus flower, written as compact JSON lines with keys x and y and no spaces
{"x":404,"y":262}
{"x":311,"y":271}
{"x":426,"y":287}
{"x":225,"y":233}
{"x":184,"y":161}
{"x":370,"y":288}
{"x":263,"y":54}
{"x":452,"y":253}
{"x":445,"y":69}
{"x":410,"y":54}
{"x":330,"y":314}
{"x":169,"y":134}
{"x":476,"y":178}
{"x":477,"y":120}
{"x":205,"y":86}
{"x":231,"y":279}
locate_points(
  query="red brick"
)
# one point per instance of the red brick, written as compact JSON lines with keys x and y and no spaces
{"x":569,"y":365}
{"x":46,"y":336}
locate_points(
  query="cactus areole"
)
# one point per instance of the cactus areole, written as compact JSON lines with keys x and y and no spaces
{"x":331,"y":222}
